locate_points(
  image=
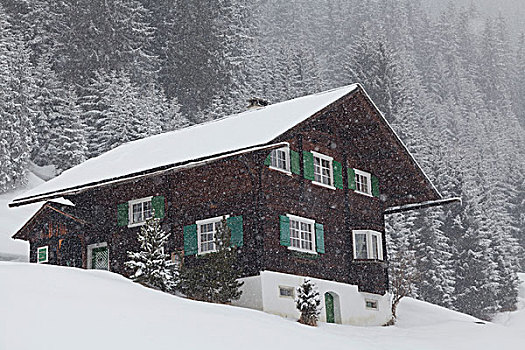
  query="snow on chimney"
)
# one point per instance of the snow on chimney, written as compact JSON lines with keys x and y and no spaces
{"x":255,"y":102}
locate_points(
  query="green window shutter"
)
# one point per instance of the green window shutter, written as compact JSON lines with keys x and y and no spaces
{"x":235,"y":224}
{"x":308,"y":162}
{"x":268,"y":160}
{"x":338,"y":174}
{"x":190,"y":240}
{"x":158,"y":205}
{"x":319,"y":238}
{"x":285,"y":230}
{"x":375,"y":186}
{"x":122,"y":214}
{"x":295,"y":162}
{"x":351,"y":179}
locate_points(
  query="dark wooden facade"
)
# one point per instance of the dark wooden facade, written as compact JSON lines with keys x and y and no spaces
{"x":350,"y":130}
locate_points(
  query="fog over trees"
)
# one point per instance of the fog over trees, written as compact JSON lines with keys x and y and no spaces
{"x":81,"y":77}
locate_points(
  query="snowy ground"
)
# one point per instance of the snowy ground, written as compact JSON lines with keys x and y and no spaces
{"x":49,"y":307}
{"x":11,"y":219}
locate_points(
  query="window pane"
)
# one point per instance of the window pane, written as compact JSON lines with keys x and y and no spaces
{"x":294,"y":234}
{"x":147,"y":210}
{"x":137,"y":212}
{"x":360,"y":246}
{"x":207,"y":235}
{"x":278,"y":159}
{"x":375,"y":247}
{"x":317,"y":169}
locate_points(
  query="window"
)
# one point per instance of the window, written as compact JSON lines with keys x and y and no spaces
{"x":139,"y":211}
{"x":286,"y":292}
{"x":302,"y":234}
{"x":363,"y":183}
{"x":176,"y":260}
{"x":367,"y":245}
{"x":323,"y":173}
{"x":371,"y":304}
{"x":206,"y":230}
{"x":42,"y":255}
{"x":280,"y":159}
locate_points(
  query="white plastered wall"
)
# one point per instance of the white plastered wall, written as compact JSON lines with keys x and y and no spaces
{"x":251,"y":293}
{"x":352,"y":303}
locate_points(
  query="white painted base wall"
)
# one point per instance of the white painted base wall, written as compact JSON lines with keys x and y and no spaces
{"x":262,"y":293}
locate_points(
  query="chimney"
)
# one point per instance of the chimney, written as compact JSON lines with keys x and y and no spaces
{"x":255,"y":102}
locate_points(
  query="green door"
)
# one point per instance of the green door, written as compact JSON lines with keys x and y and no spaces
{"x":329,"y":307}
{"x":100,"y":258}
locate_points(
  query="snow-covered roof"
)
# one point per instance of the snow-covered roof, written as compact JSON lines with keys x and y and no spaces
{"x":248,"y":129}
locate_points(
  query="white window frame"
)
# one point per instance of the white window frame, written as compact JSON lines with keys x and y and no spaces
{"x":330,"y":161}
{"x":90,"y":253}
{"x":130,"y":211}
{"x":38,"y":252}
{"x":306,"y":221}
{"x":287,"y":168}
{"x":199,"y":238}
{"x":286,"y":288}
{"x":368,"y":177}
{"x":369,"y":249}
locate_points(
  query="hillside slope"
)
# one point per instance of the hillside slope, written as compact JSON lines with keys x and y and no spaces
{"x":49,"y":307}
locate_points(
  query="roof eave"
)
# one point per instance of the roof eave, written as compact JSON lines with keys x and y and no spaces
{"x":20,"y":233}
{"x":422,"y":205}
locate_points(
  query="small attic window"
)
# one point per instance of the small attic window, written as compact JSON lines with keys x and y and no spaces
{"x":323,"y":170}
{"x":280,"y":159}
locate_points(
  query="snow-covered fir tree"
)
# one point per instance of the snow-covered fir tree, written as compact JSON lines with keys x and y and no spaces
{"x":151,"y":265}
{"x":308,"y":302}
{"x":433,"y":255}
{"x":60,"y":140}
{"x":116,"y":110}
{"x":108,"y":35}
{"x":16,"y":129}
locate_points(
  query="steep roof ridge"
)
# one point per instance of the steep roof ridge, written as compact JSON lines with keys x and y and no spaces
{"x":350,"y":87}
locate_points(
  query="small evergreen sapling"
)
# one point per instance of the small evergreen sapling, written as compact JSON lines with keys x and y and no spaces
{"x":308,"y":303}
{"x":213,"y":277}
{"x":151,"y":265}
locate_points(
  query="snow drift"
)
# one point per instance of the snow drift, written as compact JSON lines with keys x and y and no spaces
{"x":50,"y":307}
